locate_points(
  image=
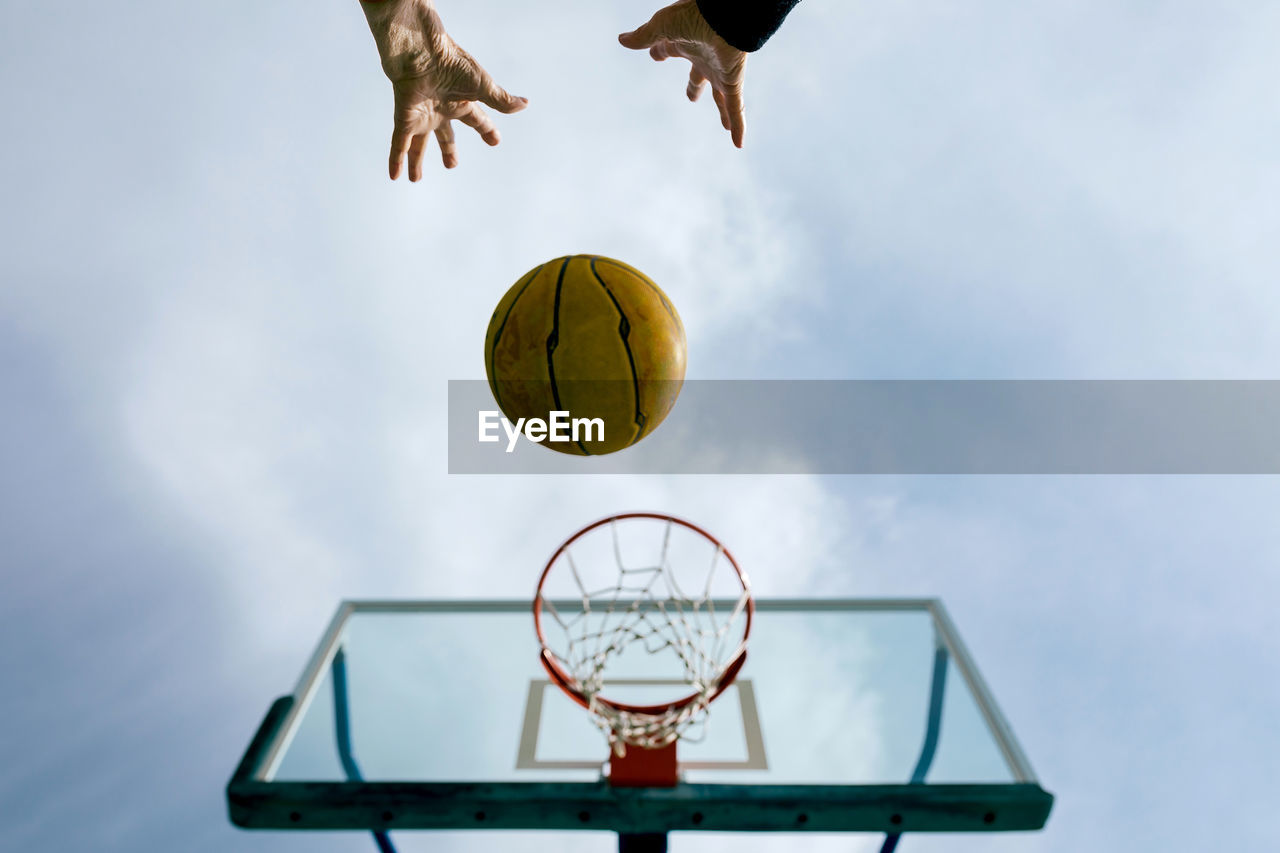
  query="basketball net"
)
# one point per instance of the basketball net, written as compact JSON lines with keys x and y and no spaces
{"x":648,"y":607}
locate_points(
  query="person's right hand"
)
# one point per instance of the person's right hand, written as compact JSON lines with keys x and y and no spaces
{"x":435,"y":83}
{"x":680,"y":30}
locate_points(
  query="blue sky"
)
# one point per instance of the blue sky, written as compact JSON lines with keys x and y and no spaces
{"x":225,"y":340}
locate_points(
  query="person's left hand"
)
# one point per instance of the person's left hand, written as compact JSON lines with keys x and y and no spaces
{"x":681,"y":31}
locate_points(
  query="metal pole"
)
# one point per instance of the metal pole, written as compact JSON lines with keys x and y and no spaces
{"x":642,"y":842}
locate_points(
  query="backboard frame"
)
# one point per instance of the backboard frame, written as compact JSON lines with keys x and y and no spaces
{"x":257,"y":801}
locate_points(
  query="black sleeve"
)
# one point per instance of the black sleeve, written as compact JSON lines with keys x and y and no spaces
{"x":745,"y":24}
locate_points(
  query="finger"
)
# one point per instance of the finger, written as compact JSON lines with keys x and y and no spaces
{"x":666,"y":49}
{"x":417,"y":149}
{"x":643,"y":36}
{"x":493,"y":95}
{"x":477,"y":118}
{"x":448,"y":149}
{"x":724,"y":114}
{"x":486,"y":91}
{"x":737,"y":114}
{"x":399,"y":145}
{"x":696,"y":82}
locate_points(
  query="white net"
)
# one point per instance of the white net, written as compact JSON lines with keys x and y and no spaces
{"x":663,"y":604}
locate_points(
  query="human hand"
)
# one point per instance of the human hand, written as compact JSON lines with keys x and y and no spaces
{"x":435,"y":83}
{"x":680,"y":30}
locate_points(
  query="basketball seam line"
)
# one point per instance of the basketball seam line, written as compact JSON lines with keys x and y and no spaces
{"x":553,"y":340}
{"x":492,"y":367}
{"x":639,"y":419}
{"x":662,"y":297}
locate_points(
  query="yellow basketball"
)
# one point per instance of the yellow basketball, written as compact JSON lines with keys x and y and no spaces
{"x":591,"y":337}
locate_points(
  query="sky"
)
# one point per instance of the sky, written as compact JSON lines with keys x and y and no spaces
{"x":225,"y":341}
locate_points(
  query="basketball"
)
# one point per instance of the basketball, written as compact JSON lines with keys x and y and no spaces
{"x":586,"y":341}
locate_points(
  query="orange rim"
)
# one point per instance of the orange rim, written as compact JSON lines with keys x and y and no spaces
{"x":569,"y":684}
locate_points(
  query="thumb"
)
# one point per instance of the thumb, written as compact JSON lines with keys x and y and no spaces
{"x":493,"y":95}
{"x":642,"y":37}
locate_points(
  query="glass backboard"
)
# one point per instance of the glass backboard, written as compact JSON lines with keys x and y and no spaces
{"x":848,"y":715}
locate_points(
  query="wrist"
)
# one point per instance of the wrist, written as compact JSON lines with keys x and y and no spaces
{"x":389,"y":9}
{"x":408,"y":33}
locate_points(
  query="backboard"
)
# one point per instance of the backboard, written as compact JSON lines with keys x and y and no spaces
{"x":848,"y":715}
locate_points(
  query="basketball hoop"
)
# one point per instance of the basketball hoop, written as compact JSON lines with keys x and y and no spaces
{"x":646,"y":606}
